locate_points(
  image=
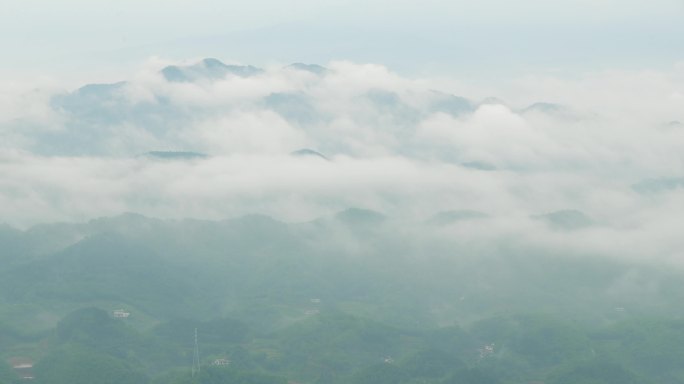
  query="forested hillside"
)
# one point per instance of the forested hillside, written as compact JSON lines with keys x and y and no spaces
{"x":350,"y":298}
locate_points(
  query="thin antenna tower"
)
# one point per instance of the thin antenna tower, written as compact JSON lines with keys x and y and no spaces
{"x":196,"y":358}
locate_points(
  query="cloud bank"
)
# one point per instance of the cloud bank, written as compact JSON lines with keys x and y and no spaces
{"x":555,"y":151}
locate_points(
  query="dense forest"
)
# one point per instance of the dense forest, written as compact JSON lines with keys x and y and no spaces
{"x":351,"y":298}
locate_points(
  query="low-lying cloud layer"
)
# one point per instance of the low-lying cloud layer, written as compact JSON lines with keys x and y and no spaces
{"x":593,"y":163}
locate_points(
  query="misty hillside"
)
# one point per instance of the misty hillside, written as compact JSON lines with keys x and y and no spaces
{"x":531,"y":242}
{"x":355,"y":297}
{"x":342,"y":192}
{"x":355,"y":258}
{"x":162,"y":109}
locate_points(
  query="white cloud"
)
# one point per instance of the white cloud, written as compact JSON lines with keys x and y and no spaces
{"x":395,"y":145}
{"x":246,"y":132}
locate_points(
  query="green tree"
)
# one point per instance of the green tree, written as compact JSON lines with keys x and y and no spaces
{"x":7,"y":374}
{"x":79,"y":365}
{"x":471,"y":376}
{"x":594,"y":372}
{"x":431,"y":363}
{"x":381,"y":373}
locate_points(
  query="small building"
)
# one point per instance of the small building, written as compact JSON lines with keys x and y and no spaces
{"x":23,"y":367}
{"x":220,"y":362}
{"x":120,"y":314}
{"x":486,"y":350}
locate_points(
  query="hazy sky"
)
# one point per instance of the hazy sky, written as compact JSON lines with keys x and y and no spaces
{"x":471,"y":37}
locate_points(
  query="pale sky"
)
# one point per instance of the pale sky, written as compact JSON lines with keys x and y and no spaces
{"x":472,"y":37}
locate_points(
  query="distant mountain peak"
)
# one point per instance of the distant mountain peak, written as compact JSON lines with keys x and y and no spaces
{"x":313,"y":68}
{"x":211,"y":62}
{"x":208,"y":69}
{"x":492,"y":101}
{"x":307,"y":152}
{"x":451,"y":104}
{"x":453,"y":216}
{"x":673,"y":125}
{"x":360,"y":216}
{"x":566,"y":219}
{"x":551,"y":109}
{"x":544,"y":107}
{"x":664,"y":184}
{"x":479,"y":165}
{"x":99,"y":88}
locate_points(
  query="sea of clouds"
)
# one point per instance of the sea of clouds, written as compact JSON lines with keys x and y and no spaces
{"x":593,"y":162}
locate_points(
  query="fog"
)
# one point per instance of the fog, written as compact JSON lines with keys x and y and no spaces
{"x":341,"y":223}
{"x":408,"y":148}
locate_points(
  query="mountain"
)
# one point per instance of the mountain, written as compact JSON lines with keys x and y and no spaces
{"x":551,"y":110}
{"x":312,"y":68}
{"x":306,"y":152}
{"x":359,"y":216}
{"x":568,"y":219}
{"x":450,"y":104}
{"x":296,"y":108}
{"x":479,"y":165}
{"x":349,"y":298}
{"x":91,"y":101}
{"x":651,"y":186}
{"x":451,"y":217}
{"x":491,"y":100}
{"x":207,"y":69}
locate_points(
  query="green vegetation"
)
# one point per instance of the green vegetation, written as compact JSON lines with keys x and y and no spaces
{"x":338,"y":300}
{"x":6,"y":374}
{"x":77,"y":365}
